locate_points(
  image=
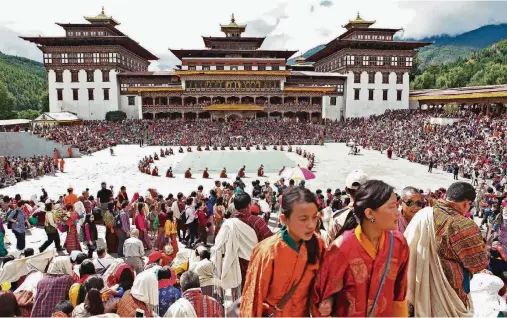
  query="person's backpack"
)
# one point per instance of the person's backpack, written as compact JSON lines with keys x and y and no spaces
{"x":183,"y":216}
{"x":117,"y":221}
{"x":9,"y":224}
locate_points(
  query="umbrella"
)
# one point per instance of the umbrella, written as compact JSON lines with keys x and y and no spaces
{"x":297,"y":173}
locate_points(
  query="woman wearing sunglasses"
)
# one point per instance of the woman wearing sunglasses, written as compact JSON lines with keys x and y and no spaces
{"x":411,"y":203}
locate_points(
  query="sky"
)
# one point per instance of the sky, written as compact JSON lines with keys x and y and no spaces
{"x":287,"y":24}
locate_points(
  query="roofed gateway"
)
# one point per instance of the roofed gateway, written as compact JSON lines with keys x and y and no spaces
{"x":95,"y":68}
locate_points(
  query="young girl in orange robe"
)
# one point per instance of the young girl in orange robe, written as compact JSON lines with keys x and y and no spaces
{"x":355,"y":280}
{"x":289,"y":258}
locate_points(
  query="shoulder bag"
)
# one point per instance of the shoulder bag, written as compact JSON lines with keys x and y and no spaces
{"x":391,"y":243}
{"x":279,"y":307}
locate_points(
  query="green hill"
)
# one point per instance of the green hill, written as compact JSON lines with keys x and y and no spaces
{"x":25,"y":79}
{"x":484,"y":67}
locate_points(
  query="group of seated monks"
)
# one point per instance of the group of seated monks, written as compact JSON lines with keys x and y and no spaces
{"x":199,"y":148}
{"x":145,"y":168}
{"x":167,"y":152}
{"x":307,"y":155}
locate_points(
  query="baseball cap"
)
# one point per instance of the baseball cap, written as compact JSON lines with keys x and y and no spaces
{"x":355,"y":179}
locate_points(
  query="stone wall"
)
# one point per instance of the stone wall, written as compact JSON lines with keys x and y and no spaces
{"x":24,"y":144}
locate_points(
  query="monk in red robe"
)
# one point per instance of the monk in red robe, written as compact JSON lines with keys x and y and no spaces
{"x":188,"y":174}
{"x":260,"y":171}
{"x":69,"y":152}
{"x":241,"y":172}
{"x":281,"y":170}
{"x":389,"y":153}
{"x":223,"y":173}
{"x":155,"y":172}
{"x":205,"y":174}
{"x":169,"y":173}
{"x":189,"y":149}
{"x":62,"y":164}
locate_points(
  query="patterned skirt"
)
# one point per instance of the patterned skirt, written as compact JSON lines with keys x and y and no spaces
{"x":143,"y":236}
{"x":112,"y":241}
{"x":72,"y":240}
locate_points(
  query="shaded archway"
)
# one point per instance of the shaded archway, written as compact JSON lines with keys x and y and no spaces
{"x":190,"y":100}
{"x":160,"y":100}
{"x":261,"y":100}
{"x":147,"y":101}
{"x":233,"y":100}
{"x":247,"y":100}
{"x":317,"y":101}
{"x":218,"y":100}
{"x":304,"y":100}
{"x":303,"y":116}
{"x":175,"y":101}
{"x":204,"y":115}
{"x":204,"y":100}
{"x":275,"y":114}
{"x":147,"y":116}
{"x":190,"y":116}
{"x":261,"y":114}
{"x":275,"y":100}
{"x":176,"y":115}
{"x":233,"y":117}
{"x":162,"y":115}
{"x":289,"y":114}
{"x":290,"y":100}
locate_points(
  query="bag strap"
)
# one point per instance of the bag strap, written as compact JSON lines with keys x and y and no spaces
{"x":288,"y":295}
{"x":391,"y":243}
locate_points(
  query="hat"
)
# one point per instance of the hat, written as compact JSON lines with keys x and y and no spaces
{"x":355,"y":179}
{"x":154,"y":257}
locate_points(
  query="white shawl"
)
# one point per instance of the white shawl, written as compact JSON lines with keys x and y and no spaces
{"x":428,"y":288}
{"x":181,"y":308}
{"x":235,"y":239}
{"x":13,"y":270}
{"x":484,"y":290}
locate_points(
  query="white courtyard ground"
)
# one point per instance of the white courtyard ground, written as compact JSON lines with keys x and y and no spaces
{"x":332,"y":166}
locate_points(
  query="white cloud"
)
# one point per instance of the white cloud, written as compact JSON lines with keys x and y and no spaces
{"x":288,"y":24}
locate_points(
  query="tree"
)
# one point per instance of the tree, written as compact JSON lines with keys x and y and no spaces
{"x":6,"y":103}
{"x":451,"y":109}
{"x":44,"y":102}
{"x":28,"y":114}
{"x":116,"y":115}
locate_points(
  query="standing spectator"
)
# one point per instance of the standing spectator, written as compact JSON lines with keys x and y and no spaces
{"x":51,"y":229}
{"x":72,"y":239}
{"x":70,"y":198}
{"x":122,"y":224}
{"x":191,"y":222}
{"x":134,"y":251}
{"x":111,"y":238}
{"x":140,"y":223}
{"x":122,"y":195}
{"x":19,"y":223}
{"x":91,"y":234}
{"x":104,"y":197}
{"x":201,"y":223}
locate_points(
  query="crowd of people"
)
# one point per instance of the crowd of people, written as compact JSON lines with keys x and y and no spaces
{"x":202,"y":253}
{"x":17,"y":169}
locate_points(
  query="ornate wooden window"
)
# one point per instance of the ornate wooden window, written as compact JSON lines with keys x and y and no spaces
{"x":64,"y":58}
{"x":132,"y":100}
{"x":275,"y":67}
{"x":399,"y":93}
{"x":357,"y":77}
{"x":59,"y":76}
{"x":90,"y":94}
{"x":385,"y":78}
{"x":394,"y":61}
{"x":371,"y":78}
{"x":113,"y":58}
{"x":105,"y":75}
{"x":350,"y":59}
{"x":357,"y":92}
{"x":380,"y":60}
{"x":124,"y":87}
{"x":106,"y":93}
{"x":384,"y":94}
{"x":205,"y":67}
{"x":373,"y":61}
{"x":96,"y":58}
{"x":399,"y":78}
{"x":234,"y":67}
{"x":80,"y":58}
{"x":339,"y":88}
{"x":248,"y":67}
{"x":366,"y":60}
{"x":90,"y":76}
{"x":370,"y":94}
{"x":48,"y":58}
{"x":402,"y":61}
{"x":59,"y":93}
{"x":192,"y":68}
{"x":74,"y":76}
{"x":409,"y":61}
{"x":75,"y":94}
{"x":261,"y":67}
{"x":333,"y":101}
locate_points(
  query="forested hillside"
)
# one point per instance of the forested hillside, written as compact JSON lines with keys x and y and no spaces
{"x":485,"y":67}
{"x":25,"y":79}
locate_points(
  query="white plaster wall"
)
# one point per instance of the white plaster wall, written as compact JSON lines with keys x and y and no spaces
{"x":364,"y":107}
{"x":84,"y":108}
{"x":132,"y":111}
{"x":413,"y":104}
{"x":332,"y":111}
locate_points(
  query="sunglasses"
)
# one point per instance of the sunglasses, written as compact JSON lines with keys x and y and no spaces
{"x":413,"y":203}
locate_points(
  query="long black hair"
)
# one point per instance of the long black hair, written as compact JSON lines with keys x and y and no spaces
{"x":91,"y":226}
{"x":371,"y":195}
{"x":300,"y":195}
{"x":89,"y":293}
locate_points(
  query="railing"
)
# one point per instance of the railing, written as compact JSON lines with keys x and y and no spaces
{"x":267,"y":107}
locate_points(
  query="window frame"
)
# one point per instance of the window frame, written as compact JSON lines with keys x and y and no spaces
{"x":131,"y":100}
{"x":59,"y":94}
{"x":399,"y":95}
{"x":105,"y":93}
{"x":75,"y":94}
{"x":91,"y":95}
{"x":357,"y":94}
{"x":371,"y":94}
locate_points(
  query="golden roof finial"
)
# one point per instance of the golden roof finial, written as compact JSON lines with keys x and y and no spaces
{"x":103,"y":10}
{"x":232,"y":19}
{"x":358,"y":16}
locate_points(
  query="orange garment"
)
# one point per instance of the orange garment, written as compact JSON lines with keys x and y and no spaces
{"x":274,"y":268}
{"x":69,"y":152}
{"x":62,"y":164}
{"x":56,"y":154}
{"x":70,"y":199}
